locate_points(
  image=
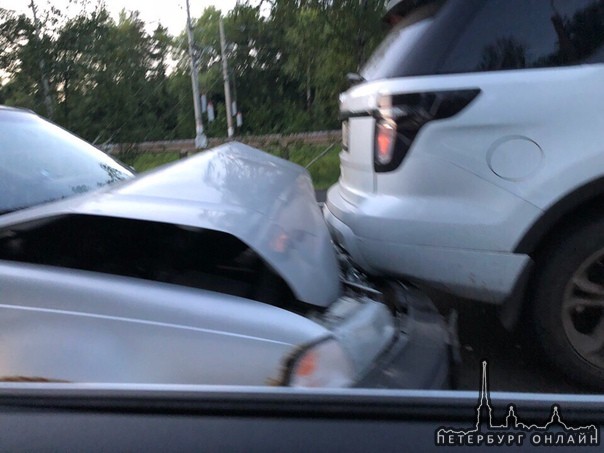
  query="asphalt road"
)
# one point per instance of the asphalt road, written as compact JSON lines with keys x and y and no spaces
{"x":512,"y":365}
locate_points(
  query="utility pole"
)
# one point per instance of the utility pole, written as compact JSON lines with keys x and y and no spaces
{"x":45,"y":84}
{"x":227,"y":86}
{"x":200,"y":139}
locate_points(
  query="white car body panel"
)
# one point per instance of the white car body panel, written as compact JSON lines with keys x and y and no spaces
{"x":471,"y":186}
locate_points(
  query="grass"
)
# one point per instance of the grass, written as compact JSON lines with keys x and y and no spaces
{"x":146,"y":161}
{"x":324,"y":172}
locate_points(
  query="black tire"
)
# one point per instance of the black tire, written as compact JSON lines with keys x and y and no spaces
{"x":554,"y":291}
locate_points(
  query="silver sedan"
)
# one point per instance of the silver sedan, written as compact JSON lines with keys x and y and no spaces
{"x":218,"y":269}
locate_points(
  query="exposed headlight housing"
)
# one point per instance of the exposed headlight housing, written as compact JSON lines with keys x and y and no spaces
{"x":322,"y":364}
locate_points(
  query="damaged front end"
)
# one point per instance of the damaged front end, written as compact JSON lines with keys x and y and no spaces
{"x":244,"y":228}
{"x":383,"y":334}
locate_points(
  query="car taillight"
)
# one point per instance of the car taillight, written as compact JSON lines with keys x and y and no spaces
{"x":385,"y":138}
{"x":323,"y":364}
{"x":400,"y":118}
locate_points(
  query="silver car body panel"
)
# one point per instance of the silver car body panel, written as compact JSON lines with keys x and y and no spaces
{"x":264,"y":201}
{"x":79,"y":326}
{"x":76,"y":326}
{"x":63,"y":324}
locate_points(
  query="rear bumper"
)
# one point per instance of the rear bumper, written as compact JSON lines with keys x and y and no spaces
{"x":425,"y":353}
{"x":484,"y":275}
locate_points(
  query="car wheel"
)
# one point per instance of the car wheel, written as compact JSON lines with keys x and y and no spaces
{"x":568,"y":303}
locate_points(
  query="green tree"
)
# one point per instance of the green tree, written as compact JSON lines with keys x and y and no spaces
{"x":120,"y":81}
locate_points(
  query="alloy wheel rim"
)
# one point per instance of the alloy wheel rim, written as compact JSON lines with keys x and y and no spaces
{"x":583,"y":310}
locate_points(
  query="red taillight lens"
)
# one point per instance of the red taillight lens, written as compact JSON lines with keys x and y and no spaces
{"x":401,"y":117}
{"x":385,"y":138}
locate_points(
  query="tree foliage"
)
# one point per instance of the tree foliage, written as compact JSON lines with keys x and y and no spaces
{"x":120,"y":80}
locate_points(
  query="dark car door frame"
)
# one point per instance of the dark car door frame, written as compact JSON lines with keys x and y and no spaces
{"x":37,"y":417}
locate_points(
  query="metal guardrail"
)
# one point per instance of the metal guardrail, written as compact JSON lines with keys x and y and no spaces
{"x":187,"y":147}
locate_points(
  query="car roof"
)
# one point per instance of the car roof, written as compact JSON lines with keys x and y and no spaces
{"x":15,"y":109}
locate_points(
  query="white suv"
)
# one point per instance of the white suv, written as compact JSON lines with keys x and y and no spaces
{"x":473,"y":161}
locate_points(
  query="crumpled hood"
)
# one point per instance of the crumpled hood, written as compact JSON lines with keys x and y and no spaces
{"x":266,"y":202}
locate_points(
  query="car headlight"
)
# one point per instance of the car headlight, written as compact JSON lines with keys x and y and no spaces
{"x":322,"y":364}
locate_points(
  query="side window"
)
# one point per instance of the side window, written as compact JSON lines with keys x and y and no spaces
{"x":516,"y":34}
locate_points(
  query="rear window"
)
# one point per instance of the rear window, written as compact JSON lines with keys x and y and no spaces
{"x":491,"y":35}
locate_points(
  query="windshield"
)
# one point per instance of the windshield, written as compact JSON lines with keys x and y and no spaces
{"x":40,"y":162}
